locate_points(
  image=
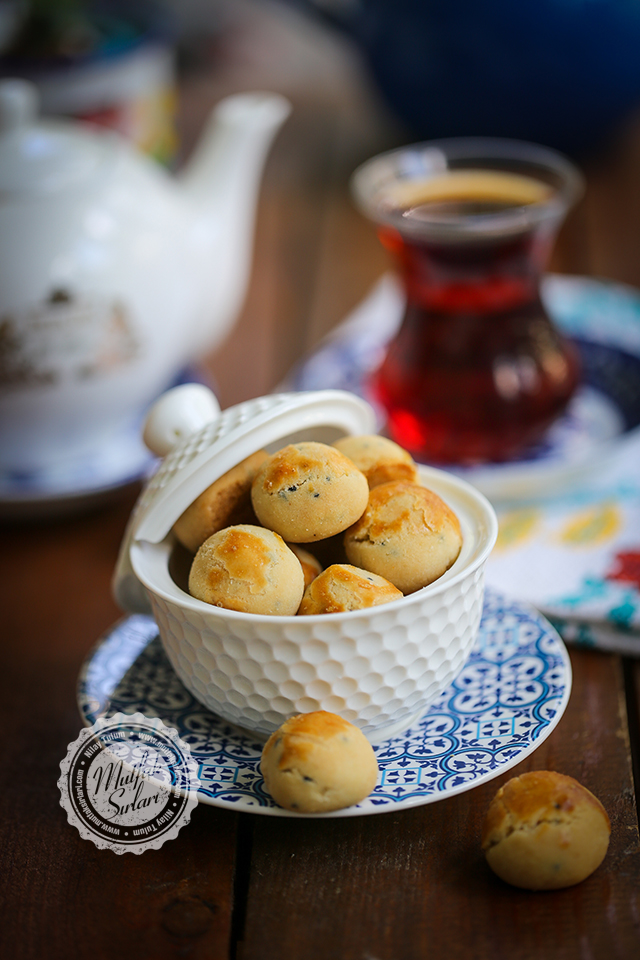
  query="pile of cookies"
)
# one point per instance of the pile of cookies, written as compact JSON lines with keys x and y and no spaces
{"x":315,"y":529}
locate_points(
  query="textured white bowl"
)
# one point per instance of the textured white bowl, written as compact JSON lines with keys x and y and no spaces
{"x":379,"y":668}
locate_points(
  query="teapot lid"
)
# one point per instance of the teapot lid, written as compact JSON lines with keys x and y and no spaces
{"x":204,"y":451}
{"x":41,"y":156}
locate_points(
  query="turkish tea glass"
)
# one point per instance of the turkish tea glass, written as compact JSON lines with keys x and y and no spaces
{"x":477,"y":371}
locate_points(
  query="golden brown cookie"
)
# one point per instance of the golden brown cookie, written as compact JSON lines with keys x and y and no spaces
{"x":316,"y":762}
{"x":344,"y":587}
{"x":381,"y":460}
{"x":544,"y":831}
{"x":225,"y":503}
{"x":308,"y":491}
{"x":250,"y":569}
{"x":407,"y":535}
{"x":311,"y":566}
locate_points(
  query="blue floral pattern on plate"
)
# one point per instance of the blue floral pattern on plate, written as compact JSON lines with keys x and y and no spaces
{"x":507,"y":699}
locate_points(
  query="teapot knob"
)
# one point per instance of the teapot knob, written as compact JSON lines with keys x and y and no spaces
{"x":18,"y":104}
{"x":176,"y":414}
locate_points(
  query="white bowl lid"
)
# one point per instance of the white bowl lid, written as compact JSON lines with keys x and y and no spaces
{"x":202,"y":455}
{"x":207,"y":453}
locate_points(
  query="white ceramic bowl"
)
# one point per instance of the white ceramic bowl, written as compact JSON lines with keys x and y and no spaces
{"x":379,"y":668}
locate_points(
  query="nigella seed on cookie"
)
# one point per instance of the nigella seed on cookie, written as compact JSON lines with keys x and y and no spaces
{"x":308,"y":491}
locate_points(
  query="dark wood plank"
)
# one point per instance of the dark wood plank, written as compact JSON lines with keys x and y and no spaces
{"x":415,"y":884}
{"x":632,"y":676}
{"x":60,"y":896}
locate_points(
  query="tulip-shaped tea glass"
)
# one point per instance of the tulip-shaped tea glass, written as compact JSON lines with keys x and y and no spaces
{"x":477,"y":371}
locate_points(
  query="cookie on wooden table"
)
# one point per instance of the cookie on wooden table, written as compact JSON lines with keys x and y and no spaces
{"x":545,"y":831}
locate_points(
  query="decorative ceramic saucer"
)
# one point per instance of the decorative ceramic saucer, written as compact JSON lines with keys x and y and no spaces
{"x":603,"y":320}
{"x":507,"y":699}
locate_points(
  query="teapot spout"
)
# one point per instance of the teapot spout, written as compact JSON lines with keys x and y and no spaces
{"x":221,"y":184}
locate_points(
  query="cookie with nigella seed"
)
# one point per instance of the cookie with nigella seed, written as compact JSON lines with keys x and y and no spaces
{"x":317,"y":762}
{"x":250,"y":569}
{"x":344,"y":587}
{"x":311,"y":566}
{"x":407,"y":535}
{"x":380,"y":459}
{"x":308,"y":491}
{"x":225,"y":503}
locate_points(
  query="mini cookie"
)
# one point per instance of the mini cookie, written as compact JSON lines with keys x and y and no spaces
{"x":544,"y":831}
{"x":316,"y":762}
{"x":407,"y":535}
{"x":308,"y":491}
{"x":225,"y":503}
{"x":381,"y":460}
{"x":343,"y":587}
{"x":250,"y":569}
{"x":311,"y":567}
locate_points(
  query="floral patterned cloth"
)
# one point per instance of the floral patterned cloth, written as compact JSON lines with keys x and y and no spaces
{"x":577,"y":557}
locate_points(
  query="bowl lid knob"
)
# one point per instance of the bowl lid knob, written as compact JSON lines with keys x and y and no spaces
{"x":177,"y":414}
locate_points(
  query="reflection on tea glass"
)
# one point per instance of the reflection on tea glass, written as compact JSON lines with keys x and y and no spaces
{"x":477,"y":371}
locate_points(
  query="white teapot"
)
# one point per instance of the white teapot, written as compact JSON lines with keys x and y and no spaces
{"x":113,"y":273}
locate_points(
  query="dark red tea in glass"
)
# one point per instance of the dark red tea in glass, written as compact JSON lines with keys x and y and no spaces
{"x":477,"y":371}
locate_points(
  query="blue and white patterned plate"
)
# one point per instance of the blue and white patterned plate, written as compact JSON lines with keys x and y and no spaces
{"x":505,"y":702}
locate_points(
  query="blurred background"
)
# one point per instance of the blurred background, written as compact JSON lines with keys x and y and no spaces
{"x":362,"y":75}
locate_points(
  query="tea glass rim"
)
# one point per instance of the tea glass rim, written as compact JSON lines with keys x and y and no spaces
{"x":369,"y":180}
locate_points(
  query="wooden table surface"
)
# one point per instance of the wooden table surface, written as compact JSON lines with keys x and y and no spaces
{"x":400,"y":886}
